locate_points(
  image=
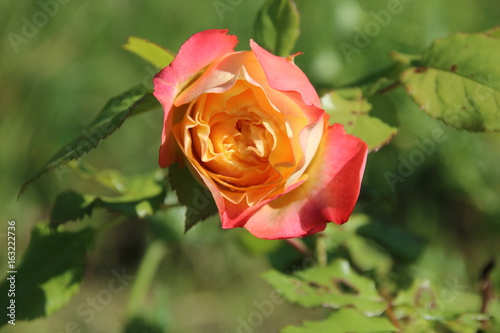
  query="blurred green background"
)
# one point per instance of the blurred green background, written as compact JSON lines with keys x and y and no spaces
{"x":56,"y":80}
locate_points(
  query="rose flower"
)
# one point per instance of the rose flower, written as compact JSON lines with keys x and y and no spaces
{"x":250,"y":127}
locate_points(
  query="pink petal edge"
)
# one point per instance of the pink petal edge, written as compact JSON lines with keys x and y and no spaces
{"x":329,"y":194}
{"x":195,"y":54}
{"x":275,"y":67}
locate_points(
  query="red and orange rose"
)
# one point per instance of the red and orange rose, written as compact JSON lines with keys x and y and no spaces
{"x":251,"y":128}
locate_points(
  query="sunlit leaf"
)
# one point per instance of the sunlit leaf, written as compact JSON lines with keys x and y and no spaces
{"x":364,"y":253}
{"x":108,"y":178}
{"x":198,"y":200}
{"x":149,"y":51}
{"x":447,"y":307}
{"x":367,"y":255}
{"x":334,"y":286}
{"x":50,"y":272}
{"x":277,"y":26}
{"x":457,"y":81}
{"x":406,"y":59}
{"x":345,"y":320}
{"x":349,"y":108}
{"x":139,"y":196}
{"x":111,"y":117}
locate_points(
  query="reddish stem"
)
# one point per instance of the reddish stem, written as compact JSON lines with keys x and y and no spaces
{"x":299,"y":245}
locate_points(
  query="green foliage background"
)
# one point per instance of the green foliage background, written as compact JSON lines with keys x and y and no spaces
{"x":56,"y":83}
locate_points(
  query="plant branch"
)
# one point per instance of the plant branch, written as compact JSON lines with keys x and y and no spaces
{"x":391,"y":316}
{"x":106,"y":226}
{"x":145,"y":275}
{"x":299,"y":245}
{"x":389,"y":88}
{"x":486,"y":285}
{"x":321,"y":251}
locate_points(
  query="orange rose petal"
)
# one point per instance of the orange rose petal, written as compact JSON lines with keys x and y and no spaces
{"x":235,"y":215}
{"x":217,"y":78}
{"x":251,"y":127}
{"x":275,"y":67}
{"x":329,"y":194}
{"x":194,"y":55}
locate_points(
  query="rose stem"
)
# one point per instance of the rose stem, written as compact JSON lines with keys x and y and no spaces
{"x":299,"y":245}
{"x":321,"y":252}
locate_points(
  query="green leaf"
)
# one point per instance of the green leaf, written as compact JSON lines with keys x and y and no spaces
{"x":149,"y":51}
{"x":349,"y":108}
{"x":198,"y":200}
{"x":139,"y":196}
{"x":399,"y":242}
{"x":368,"y":256}
{"x":381,"y":80}
{"x":258,"y":246}
{"x":108,"y":178}
{"x":277,"y":26}
{"x":133,"y":206}
{"x":168,"y":225}
{"x":111,"y":117}
{"x":281,"y":255}
{"x":50,"y":272}
{"x":426,"y":306}
{"x":363,"y":253}
{"x":406,"y":59}
{"x":334,"y":286}
{"x":345,"y":320}
{"x":457,"y":81}
{"x":70,"y":206}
